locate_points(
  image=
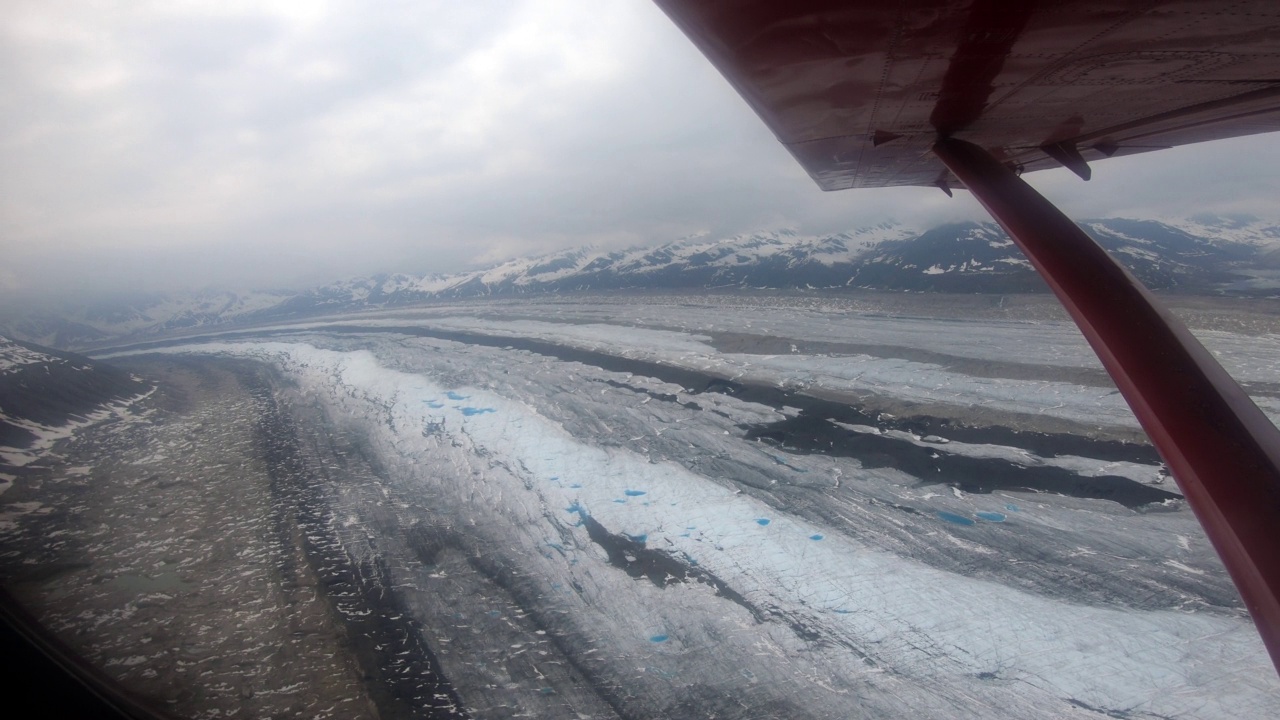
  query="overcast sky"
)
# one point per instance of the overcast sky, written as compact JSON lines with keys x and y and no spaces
{"x":172,"y":144}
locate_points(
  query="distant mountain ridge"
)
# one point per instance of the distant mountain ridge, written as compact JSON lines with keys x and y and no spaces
{"x":1200,"y":255}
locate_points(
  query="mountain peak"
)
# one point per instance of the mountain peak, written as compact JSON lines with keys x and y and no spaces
{"x":1204,"y":254}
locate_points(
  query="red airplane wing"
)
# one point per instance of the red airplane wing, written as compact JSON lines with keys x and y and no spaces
{"x":859,"y":91}
{"x":916,"y":92}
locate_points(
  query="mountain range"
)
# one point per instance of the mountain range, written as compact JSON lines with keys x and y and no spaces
{"x":1201,"y":255}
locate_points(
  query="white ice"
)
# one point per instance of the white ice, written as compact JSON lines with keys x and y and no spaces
{"x":938,"y":630}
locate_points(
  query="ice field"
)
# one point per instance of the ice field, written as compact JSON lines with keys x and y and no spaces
{"x":722,"y":509}
{"x":678,"y":555}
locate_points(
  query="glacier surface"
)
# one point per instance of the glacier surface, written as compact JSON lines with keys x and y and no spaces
{"x":682,"y":560}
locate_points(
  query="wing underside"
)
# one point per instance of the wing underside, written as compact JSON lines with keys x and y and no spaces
{"x":859,"y":91}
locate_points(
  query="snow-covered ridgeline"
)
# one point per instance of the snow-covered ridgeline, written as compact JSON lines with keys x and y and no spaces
{"x":200,"y":310}
{"x":13,"y":356}
{"x":1198,"y":257}
{"x":47,"y":435}
{"x":1245,"y":230}
{"x":937,"y":640}
{"x":736,"y":251}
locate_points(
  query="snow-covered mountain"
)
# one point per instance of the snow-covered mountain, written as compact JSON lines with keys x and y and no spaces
{"x":45,"y":394}
{"x":778,"y":259}
{"x":80,"y":325}
{"x":1203,"y":254}
{"x":1191,"y":257}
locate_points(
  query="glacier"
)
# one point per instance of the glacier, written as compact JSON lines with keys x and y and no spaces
{"x":667,"y":561}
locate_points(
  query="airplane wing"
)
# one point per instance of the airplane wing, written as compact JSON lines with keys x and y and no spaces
{"x":859,"y":91}
{"x":959,"y":93}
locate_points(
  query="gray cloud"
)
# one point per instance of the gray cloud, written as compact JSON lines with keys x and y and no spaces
{"x":274,"y":144}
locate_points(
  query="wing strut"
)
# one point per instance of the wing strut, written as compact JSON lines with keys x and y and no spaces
{"x":1223,"y":452}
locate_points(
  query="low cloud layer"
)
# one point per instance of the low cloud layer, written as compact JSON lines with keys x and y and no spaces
{"x":256,"y":144}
